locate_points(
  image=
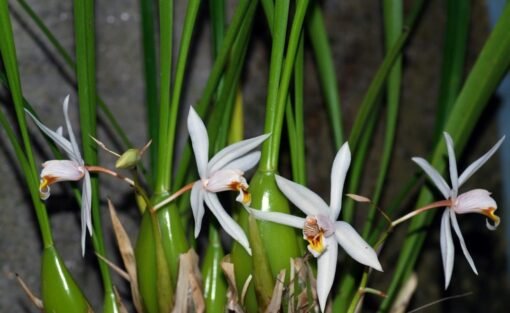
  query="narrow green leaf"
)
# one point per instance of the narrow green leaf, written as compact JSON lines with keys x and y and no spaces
{"x":180,"y":71}
{"x":295,"y":120}
{"x":148,"y":16}
{"x":162,"y":181}
{"x":243,"y":11}
{"x":69,"y":61}
{"x":8,"y":53}
{"x":85,"y":70}
{"x":299,"y":87}
{"x":217,"y":9}
{"x":326,"y":69}
{"x":393,"y":22}
{"x":377,"y":84}
{"x":269,"y":155}
{"x":220,"y":120}
{"x":373,"y":93}
{"x":172,"y":232}
{"x":454,"y":54}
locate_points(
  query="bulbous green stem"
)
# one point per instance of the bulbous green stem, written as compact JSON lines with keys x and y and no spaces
{"x":173,"y":236}
{"x":154,"y":269}
{"x":145,"y":253}
{"x":60,"y":293}
{"x":267,"y":197}
{"x":215,"y":286}
{"x":262,"y":277}
{"x":164,"y":279}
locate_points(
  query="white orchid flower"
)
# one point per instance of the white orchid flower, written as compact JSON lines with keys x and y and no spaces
{"x":321,"y":228}
{"x":73,"y":169}
{"x":473,"y":201}
{"x":223,"y":172}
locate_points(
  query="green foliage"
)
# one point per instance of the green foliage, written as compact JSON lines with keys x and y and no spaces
{"x":294,"y":28}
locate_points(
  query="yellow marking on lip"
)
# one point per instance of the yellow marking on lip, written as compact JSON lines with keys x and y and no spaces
{"x":489,"y":212}
{"x":243,"y":189}
{"x":46,"y":181}
{"x":316,"y":242}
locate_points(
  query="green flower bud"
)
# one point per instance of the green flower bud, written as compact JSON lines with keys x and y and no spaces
{"x":128,"y":159}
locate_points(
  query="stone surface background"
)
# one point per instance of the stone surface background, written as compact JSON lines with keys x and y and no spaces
{"x":355,"y":33}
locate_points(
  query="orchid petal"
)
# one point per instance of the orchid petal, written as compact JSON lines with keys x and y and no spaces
{"x":234,"y":151}
{"x":303,"y":198}
{"x":447,"y":247}
{"x":326,"y":268}
{"x":227,"y":223}
{"x":474,"y":201}
{"x":338,"y":173}
{"x":454,"y":176}
{"x":76,"y":156}
{"x":199,"y":141}
{"x":62,"y":170}
{"x":225,"y":179}
{"x":244,"y":163}
{"x":86,"y":202}
{"x":436,"y":178}
{"x":277,"y":217}
{"x":471,"y":169}
{"x":456,"y":227}
{"x":197,"y":205}
{"x":356,"y":246}
{"x":55,"y":136}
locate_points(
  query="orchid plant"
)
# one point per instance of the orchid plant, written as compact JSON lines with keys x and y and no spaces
{"x":473,"y":201}
{"x":250,"y":260}
{"x":321,"y":228}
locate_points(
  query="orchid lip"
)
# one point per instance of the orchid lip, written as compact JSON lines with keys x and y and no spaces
{"x":46,"y":181}
{"x":314,"y":233}
{"x":316,"y":244}
{"x":490,"y":213}
{"x":44,"y":189}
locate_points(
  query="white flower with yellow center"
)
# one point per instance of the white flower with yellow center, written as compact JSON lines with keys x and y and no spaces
{"x":67,"y":170}
{"x":222,"y":173}
{"x":473,"y":201}
{"x":321,"y":228}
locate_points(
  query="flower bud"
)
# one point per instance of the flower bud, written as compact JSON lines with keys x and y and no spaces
{"x":128,"y":159}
